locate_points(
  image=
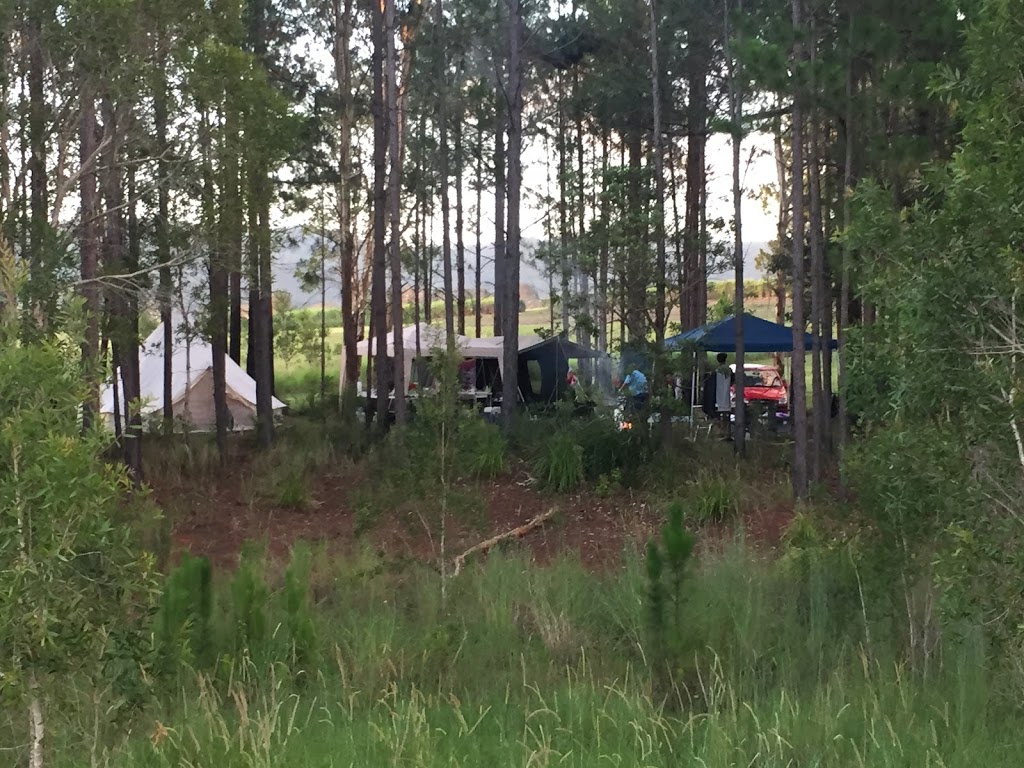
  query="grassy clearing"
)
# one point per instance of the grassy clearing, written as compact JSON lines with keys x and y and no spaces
{"x":808,"y":657}
{"x":528,"y":666}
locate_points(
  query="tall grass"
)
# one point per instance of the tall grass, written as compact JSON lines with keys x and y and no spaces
{"x":542,"y":666}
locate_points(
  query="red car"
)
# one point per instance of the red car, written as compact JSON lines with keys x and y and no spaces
{"x":763,"y":385}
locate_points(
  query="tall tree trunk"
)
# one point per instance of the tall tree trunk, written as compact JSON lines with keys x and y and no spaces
{"x":584,"y":331}
{"x":660,"y":292}
{"x":262,"y":322}
{"x":38,"y":210}
{"x":820,"y":437}
{"x":124,"y":337}
{"x":132,"y":264}
{"x":351,"y":322}
{"x":442,"y":127}
{"x":782,"y":232}
{"x":379,"y":301}
{"x":395,"y":210}
{"x":563,"y":219}
{"x":695,"y":276}
{"x":479,"y":244}
{"x":677,"y":229}
{"x":500,"y":192}
{"x":217,"y":242}
{"x":163,"y":247}
{"x":417,"y":261}
{"x":736,"y":118}
{"x":89,"y":245}
{"x":703,"y":241}
{"x":798,"y":401}
{"x":460,"y":246}
{"x":844,"y":291}
{"x":234,"y":211}
{"x":604,"y":257}
{"x":260,"y":356}
{"x":253,"y":270}
{"x":265,"y":355}
{"x":515,"y":159}
{"x":428,"y":273}
{"x":637,"y":268}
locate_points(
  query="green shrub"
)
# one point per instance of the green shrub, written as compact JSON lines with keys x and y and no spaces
{"x":606,"y":450}
{"x":183,"y":628}
{"x":482,"y":449}
{"x":559,"y":467}
{"x":713,"y":498}
{"x":299,"y":618}
{"x":667,"y":569}
{"x":608,"y":484}
{"x":249,"y":595}
{"x":291,"y":488}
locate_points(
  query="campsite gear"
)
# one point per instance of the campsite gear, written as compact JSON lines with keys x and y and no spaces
{"x":758,"y":336}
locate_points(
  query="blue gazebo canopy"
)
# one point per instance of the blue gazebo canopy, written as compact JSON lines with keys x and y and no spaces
{"x":758,"y":336}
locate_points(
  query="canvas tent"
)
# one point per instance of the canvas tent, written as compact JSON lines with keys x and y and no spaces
{"x":758,"y":336}
{"x":191,"y":385}
{"x":543,"y":363}
{"x":431,"y":337}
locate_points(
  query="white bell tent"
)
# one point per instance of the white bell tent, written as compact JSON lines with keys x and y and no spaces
{"x":191,"y":385}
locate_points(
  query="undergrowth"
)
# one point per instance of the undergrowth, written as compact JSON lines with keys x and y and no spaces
{"x":524,"y":665}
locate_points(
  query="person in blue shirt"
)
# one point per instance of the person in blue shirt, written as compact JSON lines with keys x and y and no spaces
{"x":636,"y":382}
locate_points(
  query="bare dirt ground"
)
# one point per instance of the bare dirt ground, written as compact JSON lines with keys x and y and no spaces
{"x":215,"y":516}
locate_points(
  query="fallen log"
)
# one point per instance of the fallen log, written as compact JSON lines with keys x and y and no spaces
{"x":515,"y":533}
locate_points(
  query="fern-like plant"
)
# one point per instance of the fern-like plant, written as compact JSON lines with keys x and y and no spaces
{"x":559,"y":466}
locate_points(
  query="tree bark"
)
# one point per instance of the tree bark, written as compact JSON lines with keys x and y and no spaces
{"x":442,"y":127}
{"x":163,"y":247}
{"x":677,"y":229}
{"x":217,"y":239}
{"x":844,"y":291}
{"x":515,"y":149}
{"x":500,"y":280}
{"x":636,"y":272}
{"x":234,"y":212}
{"x":563,"y":219}
{"x":479,"y":244}
{"x":604,"y":257}
{"x":125,"y":337}
{"x":584,"y":331}
{"x":132,"y":264}
{"x":820,"y":438}
{"x":736,"y":118}
{"x":342,"y":15}
{"x":395,"y":210}
{"x":782,"y":233}
{"x":380,"y":255}
{"x":89,"y":250}
{"x":38,"y":211}
{"x":798,"y":401}
{"x":695,"y":276}
{"x":262,"y":321}
{"x":660,"y":292}
{"x":460,"y":246}
{"x":37,"y":727}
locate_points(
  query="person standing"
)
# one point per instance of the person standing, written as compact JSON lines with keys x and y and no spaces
{"x":724,"y":379}
{"x":636,"y":382}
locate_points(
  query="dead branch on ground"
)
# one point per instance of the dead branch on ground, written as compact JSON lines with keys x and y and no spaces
{"x":515,"y":533}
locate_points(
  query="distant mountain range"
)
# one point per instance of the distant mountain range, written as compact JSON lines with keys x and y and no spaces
{"x":532,"y":278}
